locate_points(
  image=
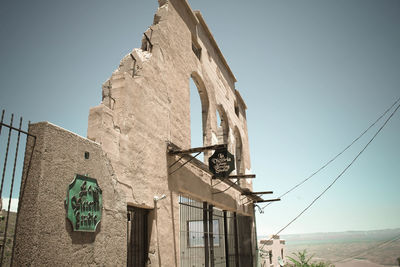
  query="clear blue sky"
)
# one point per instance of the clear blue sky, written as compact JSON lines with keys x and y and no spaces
{"x":314,"y":75}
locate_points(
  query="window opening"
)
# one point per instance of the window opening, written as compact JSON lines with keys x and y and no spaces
{"x":208,"y":235}
{"x":239,"y":157}
{"x":192,"y":210}
{"x":238,"y":152}
{"x":222,"y":127}
{"x":196,"y":124}
{"x":196,"y":49}
{"x":200,"y":134}
{"x":236,"y":109}
{"x":146,"y":41}
{"x":133,"y":65}
{"x":195,"y":233}
{"x":270,"y":257}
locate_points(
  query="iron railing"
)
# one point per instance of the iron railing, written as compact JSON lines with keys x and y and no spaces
{"x":12,"y":147}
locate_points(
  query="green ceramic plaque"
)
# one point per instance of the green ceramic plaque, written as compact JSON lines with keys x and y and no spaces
{"x":84,"y":203}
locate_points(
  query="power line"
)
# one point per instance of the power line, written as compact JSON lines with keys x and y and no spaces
{"x":340,"y":175}
{"x":337,"y":155}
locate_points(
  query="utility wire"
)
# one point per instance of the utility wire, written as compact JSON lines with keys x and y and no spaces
{"x":335,"y":157}
{"x":340,"y":175}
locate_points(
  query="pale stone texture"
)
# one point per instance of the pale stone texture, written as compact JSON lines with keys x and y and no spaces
{"x":44,"y":235}
{"x":146,"y":105}
{"x":145,"y":108}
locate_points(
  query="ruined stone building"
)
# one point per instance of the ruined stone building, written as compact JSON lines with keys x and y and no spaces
{"x":151,"y":203}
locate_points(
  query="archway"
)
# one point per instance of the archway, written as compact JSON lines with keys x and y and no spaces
{"x":199,"y":105}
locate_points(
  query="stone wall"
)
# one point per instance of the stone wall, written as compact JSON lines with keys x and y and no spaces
{"x":44,"y":235}
{"x":146,"y":106}
{"x":146,"y":101}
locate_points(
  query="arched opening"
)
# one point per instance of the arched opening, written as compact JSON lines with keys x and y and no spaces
{"x":236,"y":109}
{"x":238,"y":153}
{"x":222,"y":126}
{"x":198,"y":113}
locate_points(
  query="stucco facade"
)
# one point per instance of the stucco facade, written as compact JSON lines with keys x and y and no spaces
{"x":145,"y":114}
{"x":273,"y":252}
{"x":44,"y":235}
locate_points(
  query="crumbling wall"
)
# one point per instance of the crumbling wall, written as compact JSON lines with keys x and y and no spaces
{"x":146,"y":101}
{"x":146,"y":105}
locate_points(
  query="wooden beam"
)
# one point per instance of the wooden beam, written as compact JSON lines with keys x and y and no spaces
{"x":257,"y":193}
{"x":267,"y":200}
{"x":240,"y":176}
{"x":196,"y":149}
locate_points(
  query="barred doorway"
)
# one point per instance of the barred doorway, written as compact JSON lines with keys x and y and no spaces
{"x":231,"y":237}
{"x":208,"y":236}
{"x":137,"y":237}
{"x":219,"y":238}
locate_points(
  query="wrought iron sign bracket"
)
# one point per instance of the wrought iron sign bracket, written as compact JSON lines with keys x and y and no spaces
{"x":240,"y":176}
{"x":226,"y":189}
{"x":267,"y":200}
{"x":255,"y":196}
{"x":195,"y":150}
{"x":257,"y":193}
{"x":187,"y":152}
{"x":191,"y":158}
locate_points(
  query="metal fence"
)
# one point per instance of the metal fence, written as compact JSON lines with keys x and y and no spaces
{"x":13,"y":141}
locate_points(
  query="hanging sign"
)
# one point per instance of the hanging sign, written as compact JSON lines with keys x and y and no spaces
{"x":221,"y":163}
{"x":84,"y":203}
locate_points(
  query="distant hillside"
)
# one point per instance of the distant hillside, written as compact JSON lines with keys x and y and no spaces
{"x":353,"y":236}
{"x":378,"y":246}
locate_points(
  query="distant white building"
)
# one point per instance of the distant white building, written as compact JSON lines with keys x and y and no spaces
{"x":272,"y":252}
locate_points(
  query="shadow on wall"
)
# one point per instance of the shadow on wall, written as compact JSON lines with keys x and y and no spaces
{"x":173,"y":225}
{"x":81,"y":237}
{"x":151,"y":217}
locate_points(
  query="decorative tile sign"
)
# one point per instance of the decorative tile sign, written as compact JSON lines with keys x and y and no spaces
{"x":221,"y":163}
{"x":84,"y":204}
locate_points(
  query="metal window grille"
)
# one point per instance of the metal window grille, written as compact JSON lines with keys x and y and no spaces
{"x":208,"y":235}
{"x":193,"y":241}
